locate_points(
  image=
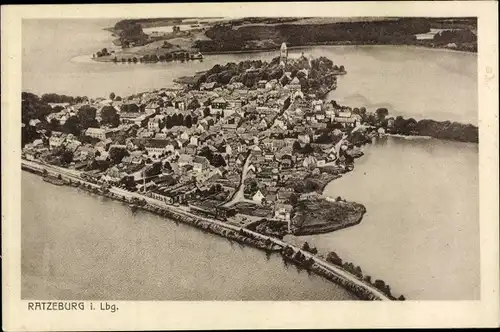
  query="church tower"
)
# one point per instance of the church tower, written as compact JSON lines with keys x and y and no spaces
{"x":283,"y":54}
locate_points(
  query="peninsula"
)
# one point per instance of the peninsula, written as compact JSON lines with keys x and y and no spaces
{"x":241,"y":150}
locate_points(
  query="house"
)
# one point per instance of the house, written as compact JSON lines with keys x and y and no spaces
{"x":236,"y":102}
{"x":346,"y":118}
{"x":193,"y":140}
{"x":294,"y":84}
{"x":185,"y":159}
{"x":230,"y":127}
{"x":34,"y":122}
{"x":309,"y":161}
{"x":158,"y":147}
{"x":185,"y":135}
{"x":269,"y":157}
{"x":258,"y":196}
{"x":261,"y":84}
{"x":271,"y":84}
{"x":156,"y":122}
{"x":56,"y":139}
{"x":308,"y":196}
{"x":207,"y":86}
{"x":152,"y":108}
{"x":180,"y":104}
{"x":283,"y":196}
{"x":72,"y":144}
{"x":219,"y":104}
{"x":200,"y":164}
{"x":54,"y":105}
{"x":98,"y":133}
{"x":283,"y":212}
{"x":321,"y":162}
{"x":304,"y":138}
{"x":140,"y":120}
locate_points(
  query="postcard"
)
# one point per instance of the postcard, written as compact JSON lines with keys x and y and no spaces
{"x":250,"y":165}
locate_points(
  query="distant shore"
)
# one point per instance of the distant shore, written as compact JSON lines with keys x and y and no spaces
{"x":274,"y":49}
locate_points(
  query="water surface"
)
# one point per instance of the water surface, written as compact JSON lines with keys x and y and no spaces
{"x":421,"y":230}
{"x":80,"y":246}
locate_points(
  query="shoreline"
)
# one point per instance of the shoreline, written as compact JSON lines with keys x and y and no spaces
{"x":269,"y":244}
{"x":446,"y":49}
{"x":251,"y":51}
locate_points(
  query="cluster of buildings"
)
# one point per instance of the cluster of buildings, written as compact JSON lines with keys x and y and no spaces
{"x":189,"y":146}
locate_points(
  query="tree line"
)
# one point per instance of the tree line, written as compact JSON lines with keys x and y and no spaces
{"x":391,"y":31}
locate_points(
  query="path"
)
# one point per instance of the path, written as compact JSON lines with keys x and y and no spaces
{"x":239,"y":195}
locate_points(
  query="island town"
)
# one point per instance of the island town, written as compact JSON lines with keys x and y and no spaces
{"x":242,"y":150}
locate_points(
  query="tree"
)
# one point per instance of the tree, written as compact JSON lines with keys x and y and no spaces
{"x":73,"y":126}
{"x":33,"y":107}
{"x":54,"y":124}
{"x":188,"y":121}
{"x":117,"y":154}
{"x":168,"y":122}
{"x":284,"y":80}
{"x":87,"y":117}
{"x":217,"y":160}
{"x":333,"y":258}
{"x":296,"y":147}
{"x":66,"y":156}
{"x":193,"y":104}
{"x":380,"y":284}
{"x":153,"y":169}
{"x":307,"y":149}
{"x":112,"y":96}
{"x":109,"y":116}
{"x":382,"y":113}
{"x":206,"y":112}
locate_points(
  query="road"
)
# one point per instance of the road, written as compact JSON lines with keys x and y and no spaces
{"x":339,"y":144}
{"x":239,"y":195}
{"x":326,"y":265}
{"x":185,"y":211}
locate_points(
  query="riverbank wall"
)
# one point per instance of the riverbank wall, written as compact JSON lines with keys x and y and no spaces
{"x":236,"y":234}
{"x":325,"y":228}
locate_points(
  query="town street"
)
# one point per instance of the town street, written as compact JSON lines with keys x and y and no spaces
{"x":239,"y":195}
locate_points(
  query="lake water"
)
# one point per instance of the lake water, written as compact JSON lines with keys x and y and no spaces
{"x":421,"y":230}
{"x":420,"y":233}
{"x":99,"y":249}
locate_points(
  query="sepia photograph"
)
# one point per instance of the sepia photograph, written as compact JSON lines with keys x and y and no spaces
{"x":248,"y":158}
